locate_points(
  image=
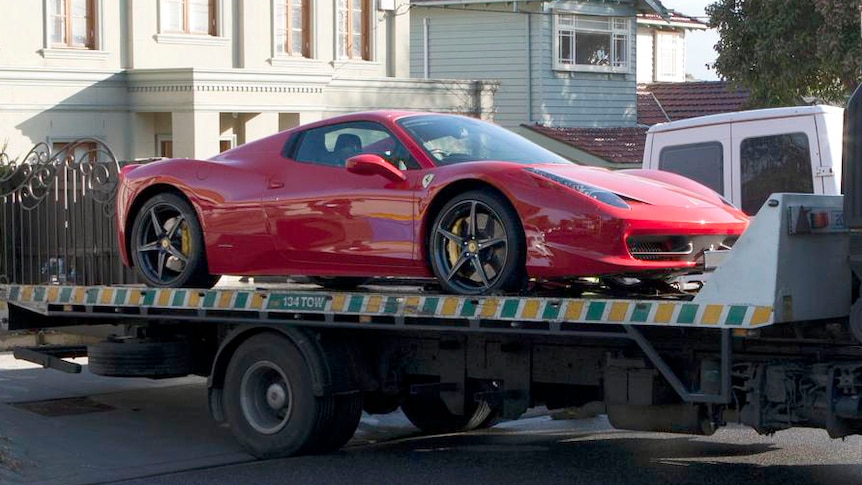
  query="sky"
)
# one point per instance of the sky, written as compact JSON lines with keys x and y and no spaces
{"x":699,"y":43}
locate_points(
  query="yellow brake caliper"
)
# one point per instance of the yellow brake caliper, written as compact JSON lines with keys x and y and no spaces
{"x":453,"y":248}
{"x":185,"y":240}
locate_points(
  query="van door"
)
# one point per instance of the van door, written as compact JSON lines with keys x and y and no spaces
{"x":773,"y":155}
{"x":700,"y":153}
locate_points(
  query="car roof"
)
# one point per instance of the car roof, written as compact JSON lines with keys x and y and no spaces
{"x":375,"y":115}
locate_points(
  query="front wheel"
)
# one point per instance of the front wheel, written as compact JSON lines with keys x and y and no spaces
{"x":476,"y":245}
{"x":167,"y":245}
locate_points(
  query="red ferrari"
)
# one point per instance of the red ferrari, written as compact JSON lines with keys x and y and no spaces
{"x":413,"y":195}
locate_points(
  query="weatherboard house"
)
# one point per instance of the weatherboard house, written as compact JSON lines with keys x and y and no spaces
{"x":559,"y":63}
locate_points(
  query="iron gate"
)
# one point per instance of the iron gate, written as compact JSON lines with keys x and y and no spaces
{"x":57,"y":221}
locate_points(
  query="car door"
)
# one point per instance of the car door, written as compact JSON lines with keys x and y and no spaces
{"x":324,"y":217}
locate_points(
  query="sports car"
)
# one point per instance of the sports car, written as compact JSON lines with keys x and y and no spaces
{"x":411,"y":195}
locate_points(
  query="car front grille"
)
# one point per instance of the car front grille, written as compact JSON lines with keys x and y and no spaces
{"x":675,"y":248}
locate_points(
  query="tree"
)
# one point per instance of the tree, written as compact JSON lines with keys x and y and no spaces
{"x":786,"y":50}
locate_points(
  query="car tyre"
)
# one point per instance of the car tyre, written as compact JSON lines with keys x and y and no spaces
{"x":476,"y":245}
{"x":167,"y":245}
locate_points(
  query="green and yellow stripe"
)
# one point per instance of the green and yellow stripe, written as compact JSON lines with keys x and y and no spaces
{"x":521,"y":309}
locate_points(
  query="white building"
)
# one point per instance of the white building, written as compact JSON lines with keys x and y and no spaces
{"x":194,"y":77}
{"x":661,"y":46}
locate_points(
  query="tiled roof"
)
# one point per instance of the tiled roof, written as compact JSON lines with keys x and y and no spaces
{"x":649,"y":109}
{"x":657,"y":103}
{"x":688,"y":100}
{"x":617,"y":145}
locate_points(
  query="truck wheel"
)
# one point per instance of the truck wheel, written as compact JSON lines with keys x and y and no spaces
{"x":432,"y":416}
{"x":135,"y":358}
{"x":337,"y":431}
{"x":269,"y":401}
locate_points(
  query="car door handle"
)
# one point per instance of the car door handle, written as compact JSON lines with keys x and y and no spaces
{"x":276,"y":184}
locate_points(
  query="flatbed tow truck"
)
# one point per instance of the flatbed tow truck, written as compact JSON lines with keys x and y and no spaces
{"x":772,"y":340}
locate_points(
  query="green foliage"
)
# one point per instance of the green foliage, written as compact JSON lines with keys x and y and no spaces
{"x":785,"y":50}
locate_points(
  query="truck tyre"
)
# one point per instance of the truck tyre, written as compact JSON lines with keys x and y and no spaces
{"x":270,"y":403}
{"x":431,"y":415}
{"x":337,"y":431}
{"x":136,"y":358}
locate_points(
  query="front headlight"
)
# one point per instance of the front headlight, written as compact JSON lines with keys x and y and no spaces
{"x":600,"y":195}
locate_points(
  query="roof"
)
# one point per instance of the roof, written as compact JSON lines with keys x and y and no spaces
{"x":617,"y":145}
{"x":673,"y":19}
{"x":650,"y":111}
{"x":656,"y":103}
{"x":691,"y":99}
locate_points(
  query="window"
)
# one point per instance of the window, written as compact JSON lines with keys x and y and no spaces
{"x":776,"y":163}
{"x":668,"y":54}
{"x":354,"y":33}
{"x":73,"y":23}
{"x":293,"y":27}
{"x":702,"y":162}
{"x":333,"y":145}
{"x":188,"y":17}
{"x":591,"y":43}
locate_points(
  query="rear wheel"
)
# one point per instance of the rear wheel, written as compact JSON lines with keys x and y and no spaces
{"x":167,"y":246}
{"x":271,"y":406}
{"x":476,"y":245}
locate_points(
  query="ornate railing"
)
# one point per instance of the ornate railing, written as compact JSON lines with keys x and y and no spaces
{"x":57,"y":220}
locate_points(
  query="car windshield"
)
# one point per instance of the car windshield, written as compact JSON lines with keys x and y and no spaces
{"x":457,"y":139}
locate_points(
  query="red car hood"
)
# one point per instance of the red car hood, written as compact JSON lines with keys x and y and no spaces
{"x":630,"y":186}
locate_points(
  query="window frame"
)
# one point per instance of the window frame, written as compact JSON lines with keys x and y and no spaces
{"x":171,"y":37}
{"x":283,"y":24}
{"x":343,"y":37}
{"x":50,"y":50}
{"x":613,"y":32}
{"x":91,"y":20}
{"x":212,"y":18}
{"x":668,"y":48}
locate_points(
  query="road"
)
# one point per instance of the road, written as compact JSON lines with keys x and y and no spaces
{"x":553,"y":452}
{"x":83,"y":429}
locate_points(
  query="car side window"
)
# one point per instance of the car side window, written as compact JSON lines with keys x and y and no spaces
{"x":333,"y":145}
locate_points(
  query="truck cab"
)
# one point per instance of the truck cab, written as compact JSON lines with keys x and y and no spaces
{"x":748,"y":155}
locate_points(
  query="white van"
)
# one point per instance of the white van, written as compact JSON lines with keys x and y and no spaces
{"x":748,"y":155}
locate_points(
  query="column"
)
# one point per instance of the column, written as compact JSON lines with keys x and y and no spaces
{"x":195,"y":133}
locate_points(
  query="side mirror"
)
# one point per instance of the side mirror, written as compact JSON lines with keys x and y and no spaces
{"x":371,"y":164}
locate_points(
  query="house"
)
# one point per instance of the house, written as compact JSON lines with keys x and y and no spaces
{"x":561,"y":63}
{"x":661,"y":46}
{"x":622,"y":147}
{"x":194,"y":77}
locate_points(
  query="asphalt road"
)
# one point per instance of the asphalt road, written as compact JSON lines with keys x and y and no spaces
{"x":83,"y":429}
{"x":542,"y":451}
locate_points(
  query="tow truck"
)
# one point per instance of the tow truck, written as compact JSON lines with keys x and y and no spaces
{"x":772,"y":340}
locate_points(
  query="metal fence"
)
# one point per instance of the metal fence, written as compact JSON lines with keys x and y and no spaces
{"x":57,"y":221}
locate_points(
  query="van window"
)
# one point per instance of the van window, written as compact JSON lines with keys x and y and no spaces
{"x":776,"y":163}
{"x":703,"y":162}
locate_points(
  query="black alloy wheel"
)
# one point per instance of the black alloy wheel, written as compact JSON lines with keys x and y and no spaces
{"x":476,"y":245}
{"x":167,"y":246}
